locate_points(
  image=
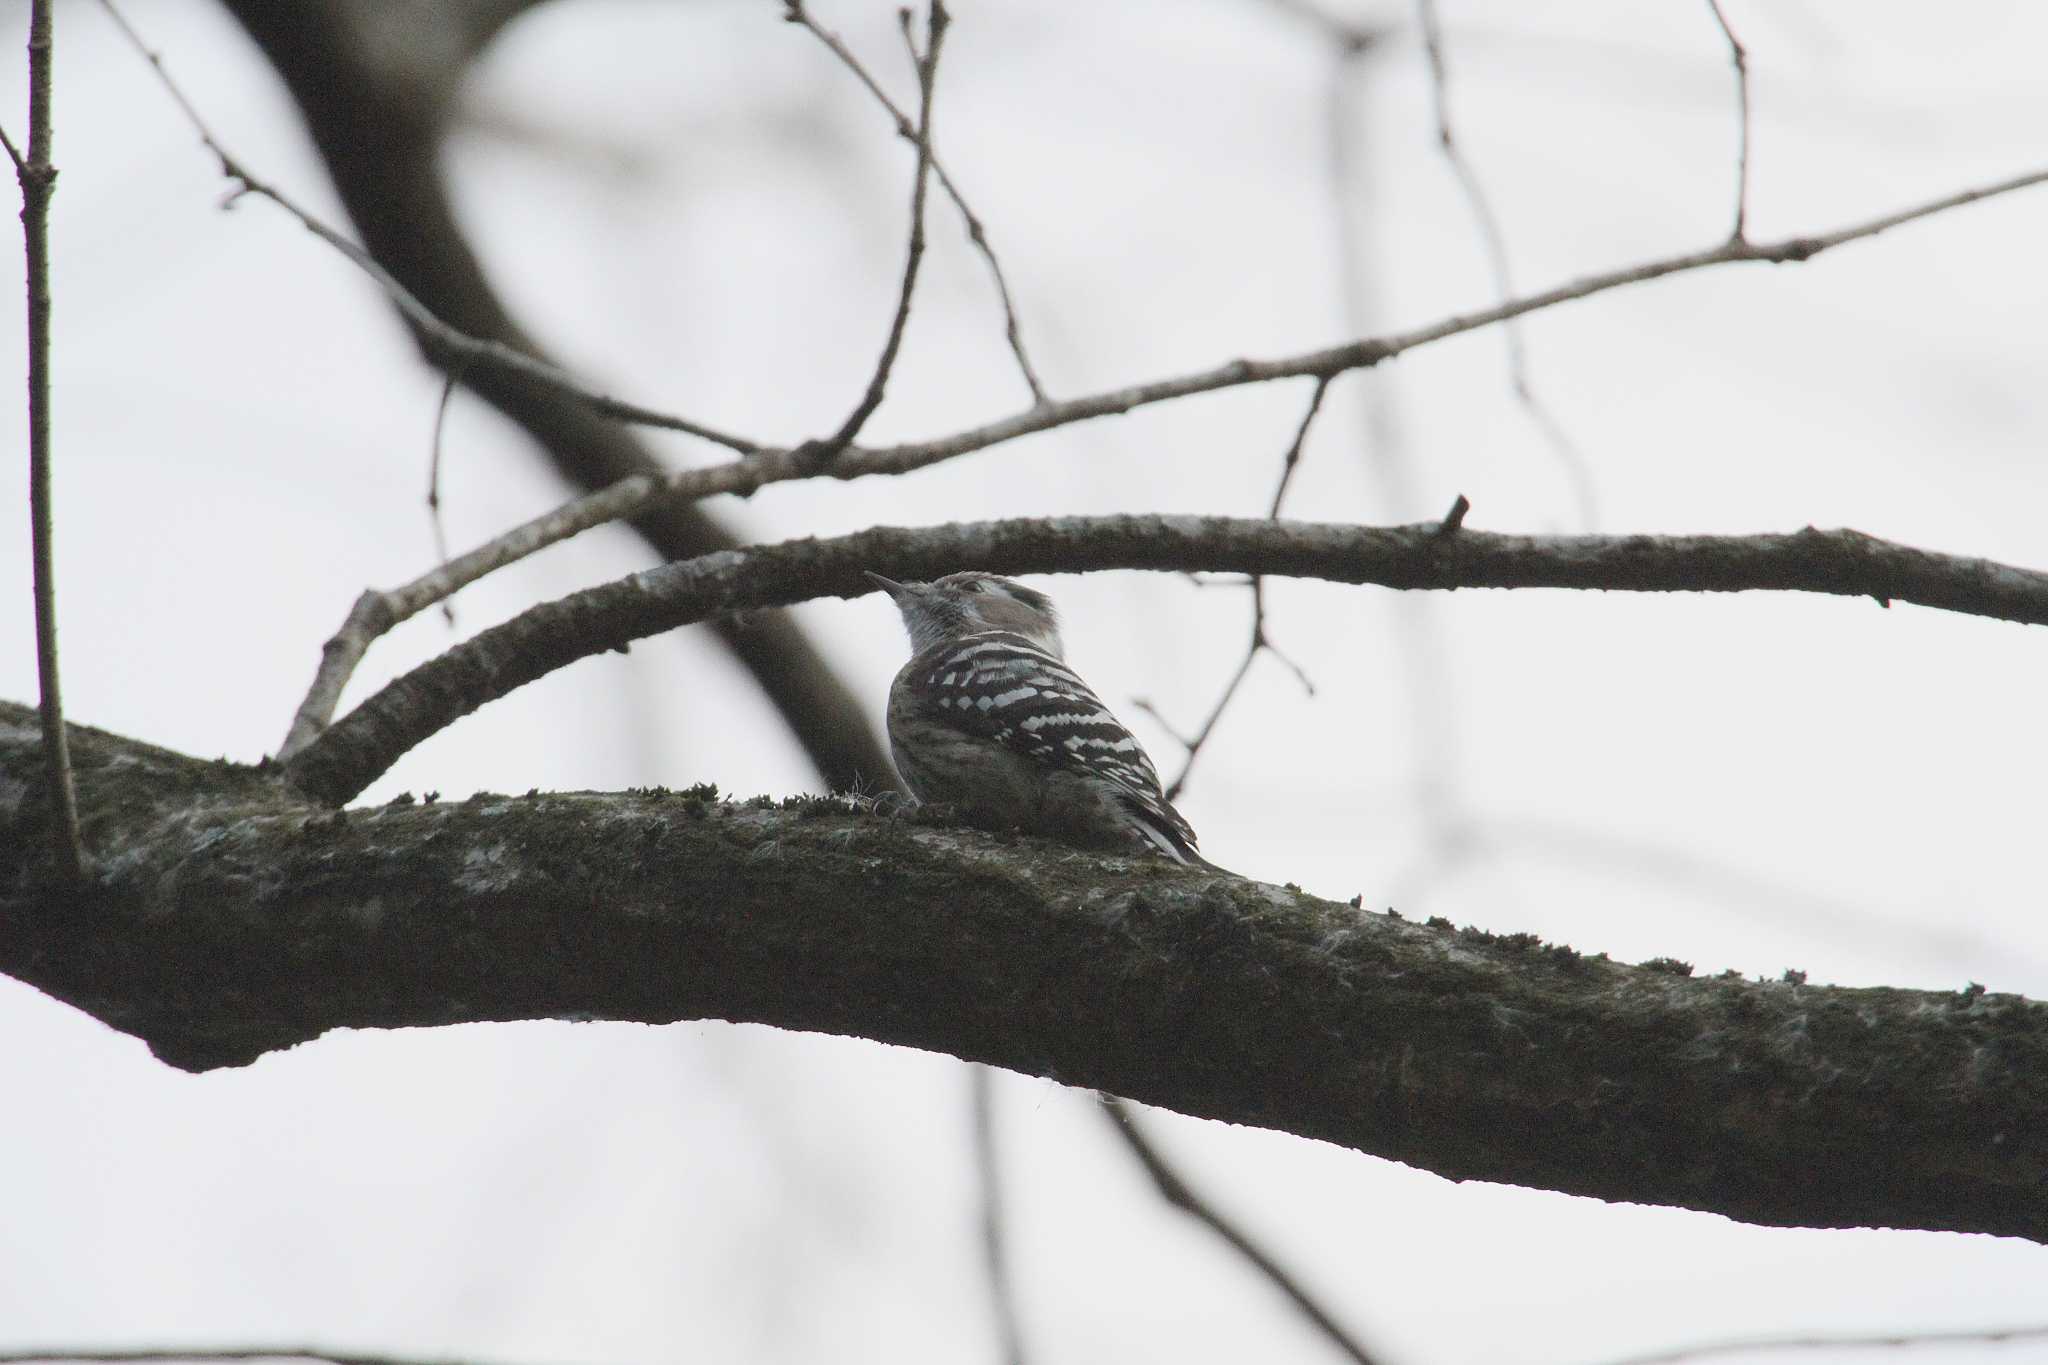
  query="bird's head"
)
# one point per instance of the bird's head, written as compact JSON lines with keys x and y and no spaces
{"x":970,"y":602}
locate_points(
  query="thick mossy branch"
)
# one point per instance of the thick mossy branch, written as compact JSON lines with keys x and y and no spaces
{"x":225,"y":918}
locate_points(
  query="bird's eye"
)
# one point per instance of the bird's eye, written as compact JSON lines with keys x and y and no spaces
{"x":971,"y":585}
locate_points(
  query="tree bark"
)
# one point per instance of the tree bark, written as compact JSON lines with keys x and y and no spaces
{"x":227,"y":917}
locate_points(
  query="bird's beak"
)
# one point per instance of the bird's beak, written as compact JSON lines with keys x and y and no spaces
{"x":888,"y":585}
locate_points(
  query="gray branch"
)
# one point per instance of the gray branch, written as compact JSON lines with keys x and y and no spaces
{"x":364,"y":744}
{"x":227,"y":919}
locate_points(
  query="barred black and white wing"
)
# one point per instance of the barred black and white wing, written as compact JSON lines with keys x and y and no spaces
{"x":1005,"y":702}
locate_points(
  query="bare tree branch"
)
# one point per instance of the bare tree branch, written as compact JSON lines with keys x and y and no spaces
{"x":995,"y":1237}
{"x":376,"y":612}
{"x":434,"y":517}
{"x":1494,"y":244}
{"x":1259,"y":641}
{"x":362,"y":745}
{"x":1837,"y":1341}
{"x":1352,"y":39}
{"x":927,"y":65}
{"x":38,"y":178}
{"x":313,"y":1354}
{"x":450,"y":347}
{"x":227,"y":919}
{"x":977,"y":233}
{"x":1175,"y":1190}
{"x":377,"y":115}
{"x":1371,"y":351}
{"x":641,"y":491}
{"x":1740,"y":56}
{"x":1291,"y":461}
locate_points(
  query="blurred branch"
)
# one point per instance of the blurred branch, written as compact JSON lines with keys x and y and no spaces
{"x":1494,"y":243}
{"x":1837,"y":1341}
{"x":435,"y":446}
{"x":1352,"y":38}
{"x":375,"y":101}
{"x":38,"y":178}
{"x":1740,"y":56}
{"x":995,"y":1240}
{"x":170,"y":1353}
{"x":227,"y":919}
{"x":977,"y":233}
{"x":927,"y":64}
{"x":364,"y":744}
{"x":1175,"y":1190}
{"x":448,"y":347}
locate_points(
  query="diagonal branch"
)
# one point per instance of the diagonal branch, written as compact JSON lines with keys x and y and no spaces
{"x":1371,"y":351}
{"x":448,"y":346}
{"x":365,"y":743}
{"x":380,"y":134}
{"x":1175,"y":1190}
{"x":1260,"y":641}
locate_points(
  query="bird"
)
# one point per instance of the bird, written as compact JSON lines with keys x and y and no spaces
{"x":987,"y":718}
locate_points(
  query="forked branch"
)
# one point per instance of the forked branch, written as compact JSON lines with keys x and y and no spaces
{"x":378,"y":611}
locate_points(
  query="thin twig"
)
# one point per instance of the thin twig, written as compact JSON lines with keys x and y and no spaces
{"x":1352,"y":38}
{"x":995,"y":1255}
{"x":927,"y":65}
{"x":1740,"y":55}
{"x":377,"y":611}
{"x":13,"y":152}
{"x":1175,"y":1190}
{"x":434,"y":485}
{"x":1493,"y":241}
{"x":1292,"y":459}
{"x":1824,"y":1341}
{"x":1259,"y":641}
{"x":38,"y":179}
{"x":1045,"y":416}
{"x":977,"y":233}
{"x":451,"y":348}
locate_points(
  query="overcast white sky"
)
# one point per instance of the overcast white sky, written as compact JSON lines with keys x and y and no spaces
{"x":699,"y":209}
